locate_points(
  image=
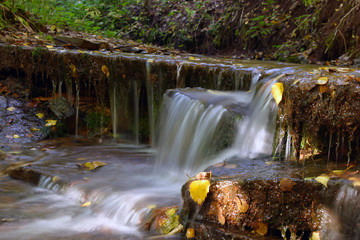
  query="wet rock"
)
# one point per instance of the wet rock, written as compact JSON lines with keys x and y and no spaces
{"x":268,"y":200}
{"x":61,"y":108}
{"x":19,"y":124}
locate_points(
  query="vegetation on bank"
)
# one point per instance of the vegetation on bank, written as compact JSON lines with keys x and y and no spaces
{"x":295,"y":31}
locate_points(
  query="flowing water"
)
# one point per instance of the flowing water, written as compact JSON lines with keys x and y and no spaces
{"x":110,"y":202}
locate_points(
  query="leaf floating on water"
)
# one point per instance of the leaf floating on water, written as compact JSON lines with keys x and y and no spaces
{"x":55,"y":178}
{"x":16,"y":136}
{"x":94,"y":165}
{"x":192,"y":58}
{"x":35,"y":129}
{"x":277,"y":90}
{"x":50,"y":123}
{"x":323,"y":179}
{"x":49,"y":46}
{"x":86,"y":204}
{"x":40,"y":115}
{"x":322,"y":80}
{"x":105,"y":70}
{"x":10,"y":109}
{"x":190,"y":233}
{"x":199,"y":190}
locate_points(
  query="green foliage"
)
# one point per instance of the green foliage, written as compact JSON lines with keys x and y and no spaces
{"x":96,"y":122}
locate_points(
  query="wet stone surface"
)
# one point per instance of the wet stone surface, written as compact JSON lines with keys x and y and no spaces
{"x":18,"y":123}
{"x":270,"y":199}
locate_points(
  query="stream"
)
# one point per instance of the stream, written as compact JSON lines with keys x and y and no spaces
{"x":195,"y":129}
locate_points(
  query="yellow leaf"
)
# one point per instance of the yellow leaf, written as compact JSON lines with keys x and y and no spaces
{"x":199,"y":190}
{"x":92,"y":166}
{"x":322,"y":80}
{"x":80,"y":51}
{"x":192,"y":58}
{"x":150,"y":60}
{"x":55,"y":178}
{"x":277,"y":90}
{"x":315,"y":236}
{"x":73,"y":69}
{"x":87,"y":204}
{"x":190,"y":233}
{"x":35,"y":129}
{"x":105,"y":70}
{"x":356,"y":183}
{"x":10,"y":109}
{"x":53,"y":28}
{"x":40,"y":115}
{"x":50,"y":123}
{"x":49,"y":46}
{"x":16,"y":136}
{"x":151,"y":206}
{"x":323,"y":179}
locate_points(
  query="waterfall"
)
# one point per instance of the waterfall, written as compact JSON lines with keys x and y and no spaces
{"x":186,"y":131}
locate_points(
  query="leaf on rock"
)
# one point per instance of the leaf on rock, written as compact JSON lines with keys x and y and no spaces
{"x":10,"y":109}
{"x":91,"y":166}
{"x":323,"y":179}
{"x":262,"y":228}
{"x":199,"y":190}
{"x":105,"y":70}
{"x":190,"y":233}
{"x":277,"y":90}
{"x":50,"y":123}
{"x":315,"y":236}
{"x":40,"y":115}
{"x":286,"y":184}
{"x":322,"y":80}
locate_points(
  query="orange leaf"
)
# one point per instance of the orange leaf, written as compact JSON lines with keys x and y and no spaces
{"x":277,"y":90}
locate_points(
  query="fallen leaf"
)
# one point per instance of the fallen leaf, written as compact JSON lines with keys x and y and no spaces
{"x":192,"y":58}
{"x":190,"y":233}
{"x":221,"y":217}
{"x":10,"y":109}
{"x":277,"y":90}
{"x":322,"y":80}
{"x":49,"y":46}
{"x":241,"y":204}
{"x":150,"y":60}
{"x":86,"y":204}
{"x":323,"y":179}
{"x":35,"y":129}
{"x":151,"y":206}
{"x":16,"y":136}
{"x":73,"y":69}
{"x":262,"y":229}
{"x":315,"y":236}
{"x":105,"y":70}
{"x":40,"y":115}
{"x":95,"y":164}
{"x":50,"y":123}
{"x":323,"y":88}
{"x":286,"y":184}
{"x":199,"y":190}
{"x":55,"y":178}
